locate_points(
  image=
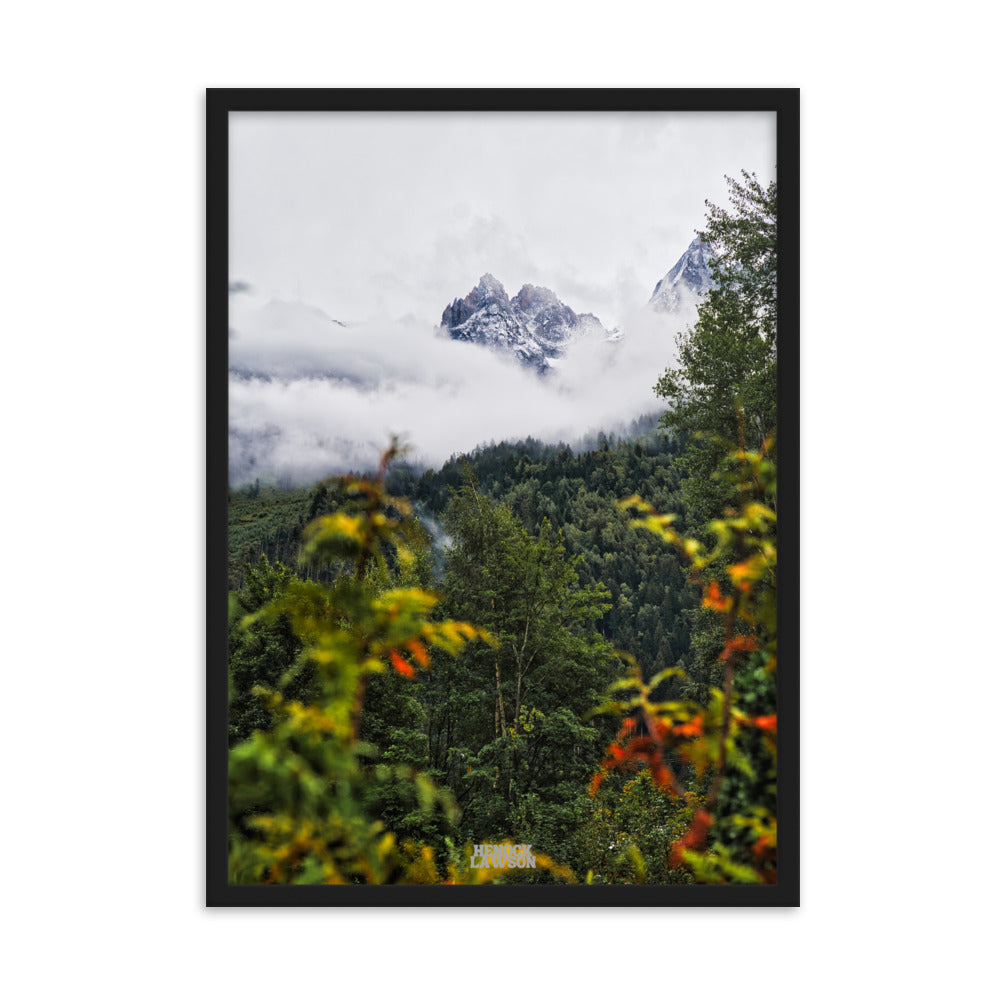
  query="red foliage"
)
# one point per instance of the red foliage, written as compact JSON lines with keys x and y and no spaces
{"x":696,"y":727}
{"x":738,"y":644}
{"x":712,"y":598}
{"x":419,"y":652}
{"x":401,"y":665}
{"x":639,"y":748}
{"x":693,"y":839}
{"x":766,"y":852}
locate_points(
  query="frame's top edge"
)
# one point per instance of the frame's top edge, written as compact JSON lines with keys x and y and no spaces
{"x":502,"y":99}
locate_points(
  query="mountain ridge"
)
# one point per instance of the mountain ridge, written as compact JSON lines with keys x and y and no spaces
{"x":535,"y":326}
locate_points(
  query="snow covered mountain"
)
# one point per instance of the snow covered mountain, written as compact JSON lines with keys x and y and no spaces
{"x":534,"y":326}
{"x":688,"y":280}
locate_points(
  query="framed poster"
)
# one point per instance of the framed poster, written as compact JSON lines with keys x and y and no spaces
{"x":495,"y":385}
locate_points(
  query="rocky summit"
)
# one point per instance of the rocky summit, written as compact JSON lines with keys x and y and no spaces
{"x":688,"y":280}
{"x":534,"y":326}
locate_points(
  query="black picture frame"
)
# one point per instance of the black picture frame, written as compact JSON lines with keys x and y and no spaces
{"x":219,"y":103}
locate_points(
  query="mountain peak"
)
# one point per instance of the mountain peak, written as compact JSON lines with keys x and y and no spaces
{"x":534,"y":326}
{"x":688,"y":280}
{"x":531,"y":298}
{"x":488,"y":290}
{"x":491,"y":286}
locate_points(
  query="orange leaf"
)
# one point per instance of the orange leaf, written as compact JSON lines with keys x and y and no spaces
{"x":419,"y":651}
{"x":738,"y":644}
{"x":713,"y":598}
{"x":662,"y":776}
{"x":741,"y":571}
{"x":401,"y":665}
{"x":693,"y":839}
{"x":693,"y":728}
{"x":768,"y":722}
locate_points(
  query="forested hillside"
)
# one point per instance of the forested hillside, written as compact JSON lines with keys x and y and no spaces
{"x":577,"y":493}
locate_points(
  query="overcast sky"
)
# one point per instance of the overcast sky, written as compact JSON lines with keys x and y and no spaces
{"x":381,"y":220}
{"x":388,"y":215}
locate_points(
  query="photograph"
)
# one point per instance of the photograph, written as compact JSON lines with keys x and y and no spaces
{"x":494,"y":403}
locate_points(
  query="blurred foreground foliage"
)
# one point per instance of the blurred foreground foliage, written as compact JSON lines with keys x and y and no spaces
{"x":727,"y":741}
{"x":300,"y":788}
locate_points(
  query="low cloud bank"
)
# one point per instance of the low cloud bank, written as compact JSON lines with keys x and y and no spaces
{"x":309,"y":397}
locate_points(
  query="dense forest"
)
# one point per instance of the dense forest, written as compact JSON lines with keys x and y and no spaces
{"x":571,"y":648}
{"x":576,"y":494}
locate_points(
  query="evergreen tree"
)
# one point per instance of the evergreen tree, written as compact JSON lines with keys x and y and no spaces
{"x":262,"y":653}
{"x":514,"y":711}
{"x":722,"y":396}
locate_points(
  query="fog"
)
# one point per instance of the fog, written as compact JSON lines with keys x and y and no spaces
{"x":310,"y":398}
{"x":379,"y":220}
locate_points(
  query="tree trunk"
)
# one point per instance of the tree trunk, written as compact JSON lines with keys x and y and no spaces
{"x":500,"y":718}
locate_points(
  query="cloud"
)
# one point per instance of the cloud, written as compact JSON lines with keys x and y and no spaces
{"x":309,"y":398}
{"x":395,"y":214}
{"x":373,"y":217}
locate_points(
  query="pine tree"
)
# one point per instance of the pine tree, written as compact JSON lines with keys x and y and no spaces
{"x":722,"y":395}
